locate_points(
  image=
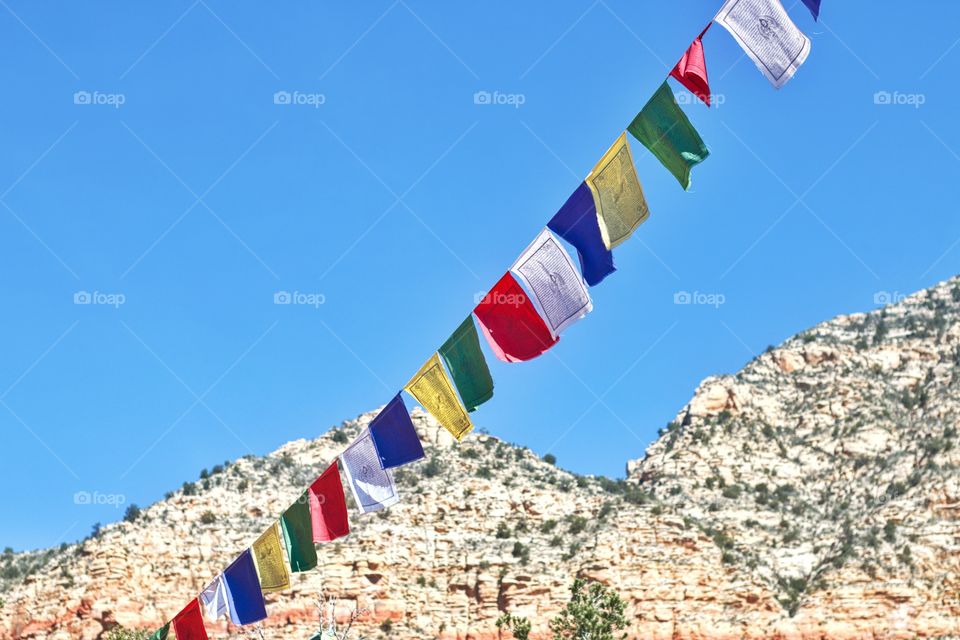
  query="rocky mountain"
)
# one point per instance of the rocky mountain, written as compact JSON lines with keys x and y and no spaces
{"x":814,"y":494}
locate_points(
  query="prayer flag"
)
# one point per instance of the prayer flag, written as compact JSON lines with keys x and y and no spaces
{"x":558,"y":292}
{"x":577,"y":223}
{"x":372,"y":485}
{"x":215,"y":599}
{"x":432,"y":388}
{"x":511,"y":324}
{"x":243,"y":591}
{"x":617,"y":194}
{"x":814,"y":6}
{"x":298,"y":535}
{"x":394,"y":435}
{"x":467,"y":366}
{"x":271,"y":565}
{"x":768,"y":35}
{"x":328,"y":506}
{"x":188,"y":624}
{"x":691,"y":70}
{"x":161,"y":633}
{"x":666,"y":131}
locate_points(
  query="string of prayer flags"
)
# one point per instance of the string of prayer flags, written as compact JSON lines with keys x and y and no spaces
{"x":161,"y":633}
{"x":768,"y":35}
{"x":467,"y":366}
{"x":577,"y":223}
{"x":665,"y":130}
{"x":328,"y":506}
{"x":215,"y":599}
{"x":691,"y":70}
{"x":372,"y":485}
{"x":298,"y":535}
{"x":814,"y":6}
{"x":617,"y":194}
{"x":559,"y":294}
{"x":394,"y":435}
{"x":271,"y":565}
{"x":244,"y":597}
{"x":432,"y":388}
{"x":511,"y":324}
{"x":188,"y":624}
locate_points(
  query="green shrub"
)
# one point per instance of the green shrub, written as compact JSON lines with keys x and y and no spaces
{"x":132,"y":513}
{"x":577,"y":524}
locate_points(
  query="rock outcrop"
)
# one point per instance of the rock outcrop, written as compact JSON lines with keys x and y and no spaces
{"x":814,"y":494}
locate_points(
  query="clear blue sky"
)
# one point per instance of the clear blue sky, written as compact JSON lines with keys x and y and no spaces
{"x":398,"y":199}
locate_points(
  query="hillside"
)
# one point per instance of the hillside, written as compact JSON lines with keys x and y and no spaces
{"x":813,"y":494}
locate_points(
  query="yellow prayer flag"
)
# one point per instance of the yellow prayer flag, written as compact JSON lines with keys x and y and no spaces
{"x":271,"y":565}
{"x":432,"y":388}
{"x":617,"y":194}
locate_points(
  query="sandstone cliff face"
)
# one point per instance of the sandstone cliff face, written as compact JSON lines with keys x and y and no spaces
{"x":814,"y":494}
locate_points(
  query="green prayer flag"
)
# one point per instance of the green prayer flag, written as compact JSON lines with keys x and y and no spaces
{"x":161,"y":633}
{"x":468,"y":368}
{"x":298,"y":535}
{"x":665,"y":130}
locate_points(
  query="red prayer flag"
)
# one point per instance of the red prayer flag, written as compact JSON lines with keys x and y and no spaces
{"x":511,"y":324}
{"x":691,"y":70}
{"x":188,"y":625}
{"x":328,"y":506}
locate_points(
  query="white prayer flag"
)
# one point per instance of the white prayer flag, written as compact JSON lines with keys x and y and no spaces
{"x":214,"y":598}
{"x":767,"y":35}
{"x":372,"y":486}
{"x":559,"y":293}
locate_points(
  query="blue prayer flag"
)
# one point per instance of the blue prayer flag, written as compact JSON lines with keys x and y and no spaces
{"x":394,"y":435}
{"x":814,"y":6}
{"x":243,"y":588}
{"x":576,"y":222}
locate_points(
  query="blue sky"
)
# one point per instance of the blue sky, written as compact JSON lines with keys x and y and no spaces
{"x":183,"y":191}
